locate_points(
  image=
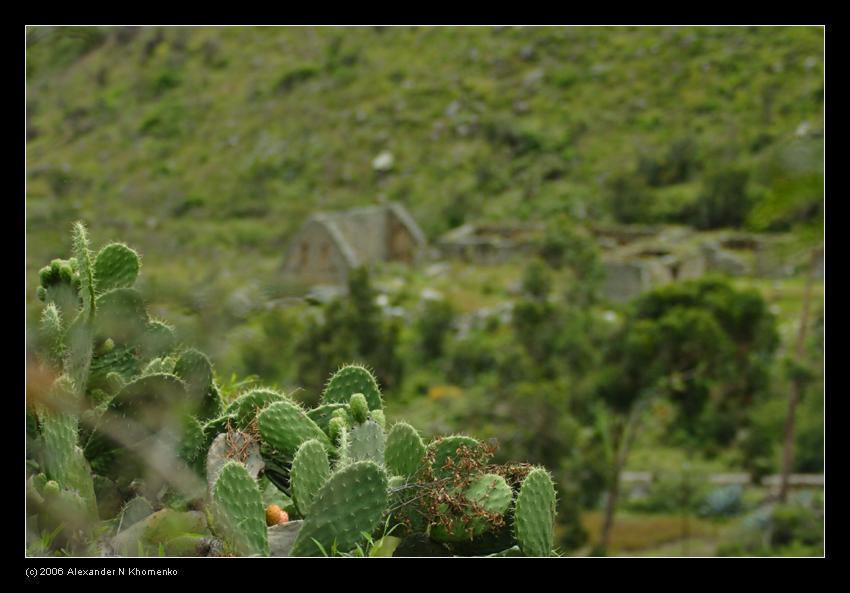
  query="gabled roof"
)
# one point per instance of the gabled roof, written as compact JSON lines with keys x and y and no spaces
{"x":360,"y":233}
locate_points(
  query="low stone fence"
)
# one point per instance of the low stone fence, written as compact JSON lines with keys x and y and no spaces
{"x":744,"y":479}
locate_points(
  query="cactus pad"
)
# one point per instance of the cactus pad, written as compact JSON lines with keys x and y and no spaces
{"x":322,"y":415}
{"x":284,"y":426}
{"x":158,"y":339}
{"x":246,"y":406}
{"x":310,"y":470}
{"x":239,"y":510}
{"x":534,"y":516}
{"x":149,"y":397}
{"x":121,"y":315}
{"x":404,"y":450}
{"x":116,"y":266}
{"x":489,"y":493}
{"x":82,"y":254}
{"x":192,"y":440}
{"x":59,"y":437}
{"x":351,"y":502}
{"x":349,"y":380}
{"x":365,"y":442}
{"x":120,"y":360}
{"x":445,"y":452}
{"x":194,"y":368}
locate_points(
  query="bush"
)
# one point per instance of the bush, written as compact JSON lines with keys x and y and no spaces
{"x":672,"y":494}
{"x":676,"y":166}
{"x":723,"y":501}
{"x":790,"y":523}
{"x":794,"y":529}
{"x":724,"y":201}
{"x":353,"y":328}
{"x":433,"y":326}
{"x":566,"y":245}
{"x":630,"y":199}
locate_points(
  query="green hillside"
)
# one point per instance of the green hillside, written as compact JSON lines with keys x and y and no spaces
{"x":227,"y":138}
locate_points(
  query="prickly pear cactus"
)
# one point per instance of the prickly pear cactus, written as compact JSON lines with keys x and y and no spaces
{"x":322,"y":415}
{"x":349,"y":380}
{"x":195,"y":370}
{"x":284,"y":426}
{"x":404,"y":451}
{"x":310,"y":470}
{"x":116,"y":266}
{"x":52,"y":330}
{"x":534,"y":516}
{"x":248,"y":405}
{"x":365,"y":442}
{"x":351,"y":502}
{"x":191,"y":440}
{"x":125,"y":383}
{"x":488,"y":498}
{"x":445,"y":453}
{"x":239,"y":511}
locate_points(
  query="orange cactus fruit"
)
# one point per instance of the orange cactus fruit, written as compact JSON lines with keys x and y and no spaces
{"x":274,"y":514}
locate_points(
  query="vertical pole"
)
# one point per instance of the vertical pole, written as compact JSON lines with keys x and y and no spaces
{"x":796,"y":385}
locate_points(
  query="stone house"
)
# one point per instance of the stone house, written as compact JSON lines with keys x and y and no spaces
{"x":330,"y":244}
{"x":490,"y":243}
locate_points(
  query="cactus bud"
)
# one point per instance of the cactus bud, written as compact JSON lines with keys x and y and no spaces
{"x":106,"y":346}
{"x":51,"y":489}
{"x":379,"y":418}
{"x":65,"y":273}
{"x":344,"y":416}
{"x":335,"y":428}
{"x":45,"y":275}
{"x":359,"y":408}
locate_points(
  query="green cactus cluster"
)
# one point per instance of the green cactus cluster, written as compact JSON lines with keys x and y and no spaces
{"x":126,"y":390}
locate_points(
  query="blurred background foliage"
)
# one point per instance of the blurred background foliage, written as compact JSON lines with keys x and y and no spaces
{"x":205,"y":148}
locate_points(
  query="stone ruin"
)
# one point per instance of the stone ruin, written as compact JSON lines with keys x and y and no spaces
{"x":331,"y":244}
{"x":637,"y":258}
{"x":490,"y":243}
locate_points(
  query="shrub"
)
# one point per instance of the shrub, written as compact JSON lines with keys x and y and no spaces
{"x":630,"y":199}
{"x":725,"y":200}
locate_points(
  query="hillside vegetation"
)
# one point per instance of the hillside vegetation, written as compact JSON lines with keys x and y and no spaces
{"x":227,"y":138}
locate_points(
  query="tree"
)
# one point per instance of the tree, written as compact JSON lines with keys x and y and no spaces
{"x":704,"y":345}
{"x":725,"y":199}
{"x":349,"y":329}
{"x":433,"y":326}
{"x":568,"y":246}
